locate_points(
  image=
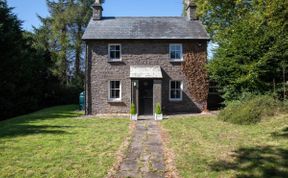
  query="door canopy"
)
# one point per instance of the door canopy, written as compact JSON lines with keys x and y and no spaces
{"x":146,"y":72}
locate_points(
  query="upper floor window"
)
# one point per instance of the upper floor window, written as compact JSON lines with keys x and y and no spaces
{"x":115,"y":90}
{"x":176,"y":52}
{"x":176,"y":88}
{"x":114,"y":52}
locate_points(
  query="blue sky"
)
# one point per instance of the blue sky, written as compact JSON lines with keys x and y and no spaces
{"x":26,"y":10}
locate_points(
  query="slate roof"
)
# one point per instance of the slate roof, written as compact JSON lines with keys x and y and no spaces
{"x":145,"y":28}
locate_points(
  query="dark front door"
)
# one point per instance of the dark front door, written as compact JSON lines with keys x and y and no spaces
{"x":146,"y":97}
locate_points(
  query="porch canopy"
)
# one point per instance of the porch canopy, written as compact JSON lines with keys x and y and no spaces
{"x":146,"y":72}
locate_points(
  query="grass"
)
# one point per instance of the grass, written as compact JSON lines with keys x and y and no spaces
{"x":207,"y":147}
{"x":55,"y":143}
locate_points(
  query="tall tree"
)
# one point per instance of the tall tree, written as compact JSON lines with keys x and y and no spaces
{"x":59,"y":37}
{"x":80,"y":13}
{"x":252,"y":36}
{"x":67,"y":22}
{"x":21,"y":69}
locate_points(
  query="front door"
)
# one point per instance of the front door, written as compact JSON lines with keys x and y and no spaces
{"x":146,"y":97}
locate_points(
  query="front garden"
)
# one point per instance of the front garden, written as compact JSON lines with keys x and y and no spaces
{"x":208,"y":147}
{"x":59,"y":142}
{"x":54,"y":142}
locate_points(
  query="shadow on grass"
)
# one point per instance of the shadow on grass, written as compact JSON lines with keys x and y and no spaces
{"x":282,"y":133}
{"x":31,"y":124}
{"x":23,"y":130}
{"x":255,"y":162}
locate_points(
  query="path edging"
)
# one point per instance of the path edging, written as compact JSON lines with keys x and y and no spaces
{"x":169,"y":156}
{"x":120,"y":154}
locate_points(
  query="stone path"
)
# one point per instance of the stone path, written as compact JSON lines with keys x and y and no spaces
{"x":145,"y":157}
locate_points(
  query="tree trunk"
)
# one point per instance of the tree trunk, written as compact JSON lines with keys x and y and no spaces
{"x":78,"y":50}
{"x":64,"y":60}
{"x":284,"y":83}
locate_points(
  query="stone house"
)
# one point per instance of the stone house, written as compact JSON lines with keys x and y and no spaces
{"x":145,"y":61}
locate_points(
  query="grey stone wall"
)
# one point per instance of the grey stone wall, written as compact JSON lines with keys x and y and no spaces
{"x":137,"y":52}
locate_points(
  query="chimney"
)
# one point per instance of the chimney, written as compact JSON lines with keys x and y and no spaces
{"x":191,"y":10}
{"x":97,"y":10}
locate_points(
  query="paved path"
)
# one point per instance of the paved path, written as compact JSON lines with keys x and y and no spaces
{"x":145,"y":156}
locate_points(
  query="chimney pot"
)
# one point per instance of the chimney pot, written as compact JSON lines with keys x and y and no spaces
{"x":97,"y":10}
{"x":191,"y":10}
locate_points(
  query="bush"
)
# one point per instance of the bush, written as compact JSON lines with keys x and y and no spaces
{"x":133,"y":109}
{"x":250,"y":110}
{"x":158,"y":109}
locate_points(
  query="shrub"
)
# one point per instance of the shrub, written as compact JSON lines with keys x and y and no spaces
{"x":158,"y":109}
{"x":133,"y":109}
{"x":250,"y":110}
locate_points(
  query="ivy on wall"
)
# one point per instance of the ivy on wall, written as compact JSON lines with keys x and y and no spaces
{"x":194,"y":68}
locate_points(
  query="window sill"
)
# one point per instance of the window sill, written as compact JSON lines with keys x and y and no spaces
{"x":114,"y":101}
{"x":176,"y":61}
{"x":175,"y":100}
{"x":114,"y":60}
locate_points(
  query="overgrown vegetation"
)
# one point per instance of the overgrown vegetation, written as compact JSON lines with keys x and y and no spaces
{"x":250,"y":110}
{"x":253,"y":45}
{"x":251,"y":57}
{"x":55,"y":143}
{"x":207,"y":147}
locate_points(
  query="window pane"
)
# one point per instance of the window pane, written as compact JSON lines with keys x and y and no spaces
{"x":117,"y":93}
{"x":115,"y":51}
{"x":172,"y":54}
{"x":173,"y":48}
{"x":175,"y":52}
{"x":175,"y":90}
{"x":112,"y":48}
{"x":177,"y":55}
{"x":172,"y":85}
{"x":112,"y":54}
{"x":172,"y":94}
{"x":117,"y":84}
{"x":114,"y":89}
{"x":177,"y":94}
{"x":177,"y":85}
{"x":117,"y":55}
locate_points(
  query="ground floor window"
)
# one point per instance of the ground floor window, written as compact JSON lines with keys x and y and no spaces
{"x":114,"y":90}
{"x":175,"y":89}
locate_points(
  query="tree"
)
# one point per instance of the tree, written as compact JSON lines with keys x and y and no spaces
{"x":21,"y":67}
{"x":35,"y":66}
{"x":252,"y":36}
{"x":67,"y":22}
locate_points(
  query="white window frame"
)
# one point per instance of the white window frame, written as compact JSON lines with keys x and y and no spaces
{"x":109,"y":56}
{"x":181,"y":52}
{"x":109,"y":91}
{"x":181,"y":90}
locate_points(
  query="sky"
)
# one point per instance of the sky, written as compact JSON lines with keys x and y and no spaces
{"x":27,"y":10}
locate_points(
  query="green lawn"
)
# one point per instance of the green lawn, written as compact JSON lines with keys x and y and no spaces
{"x":55,"y":143}
{"x":206,"y":147}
